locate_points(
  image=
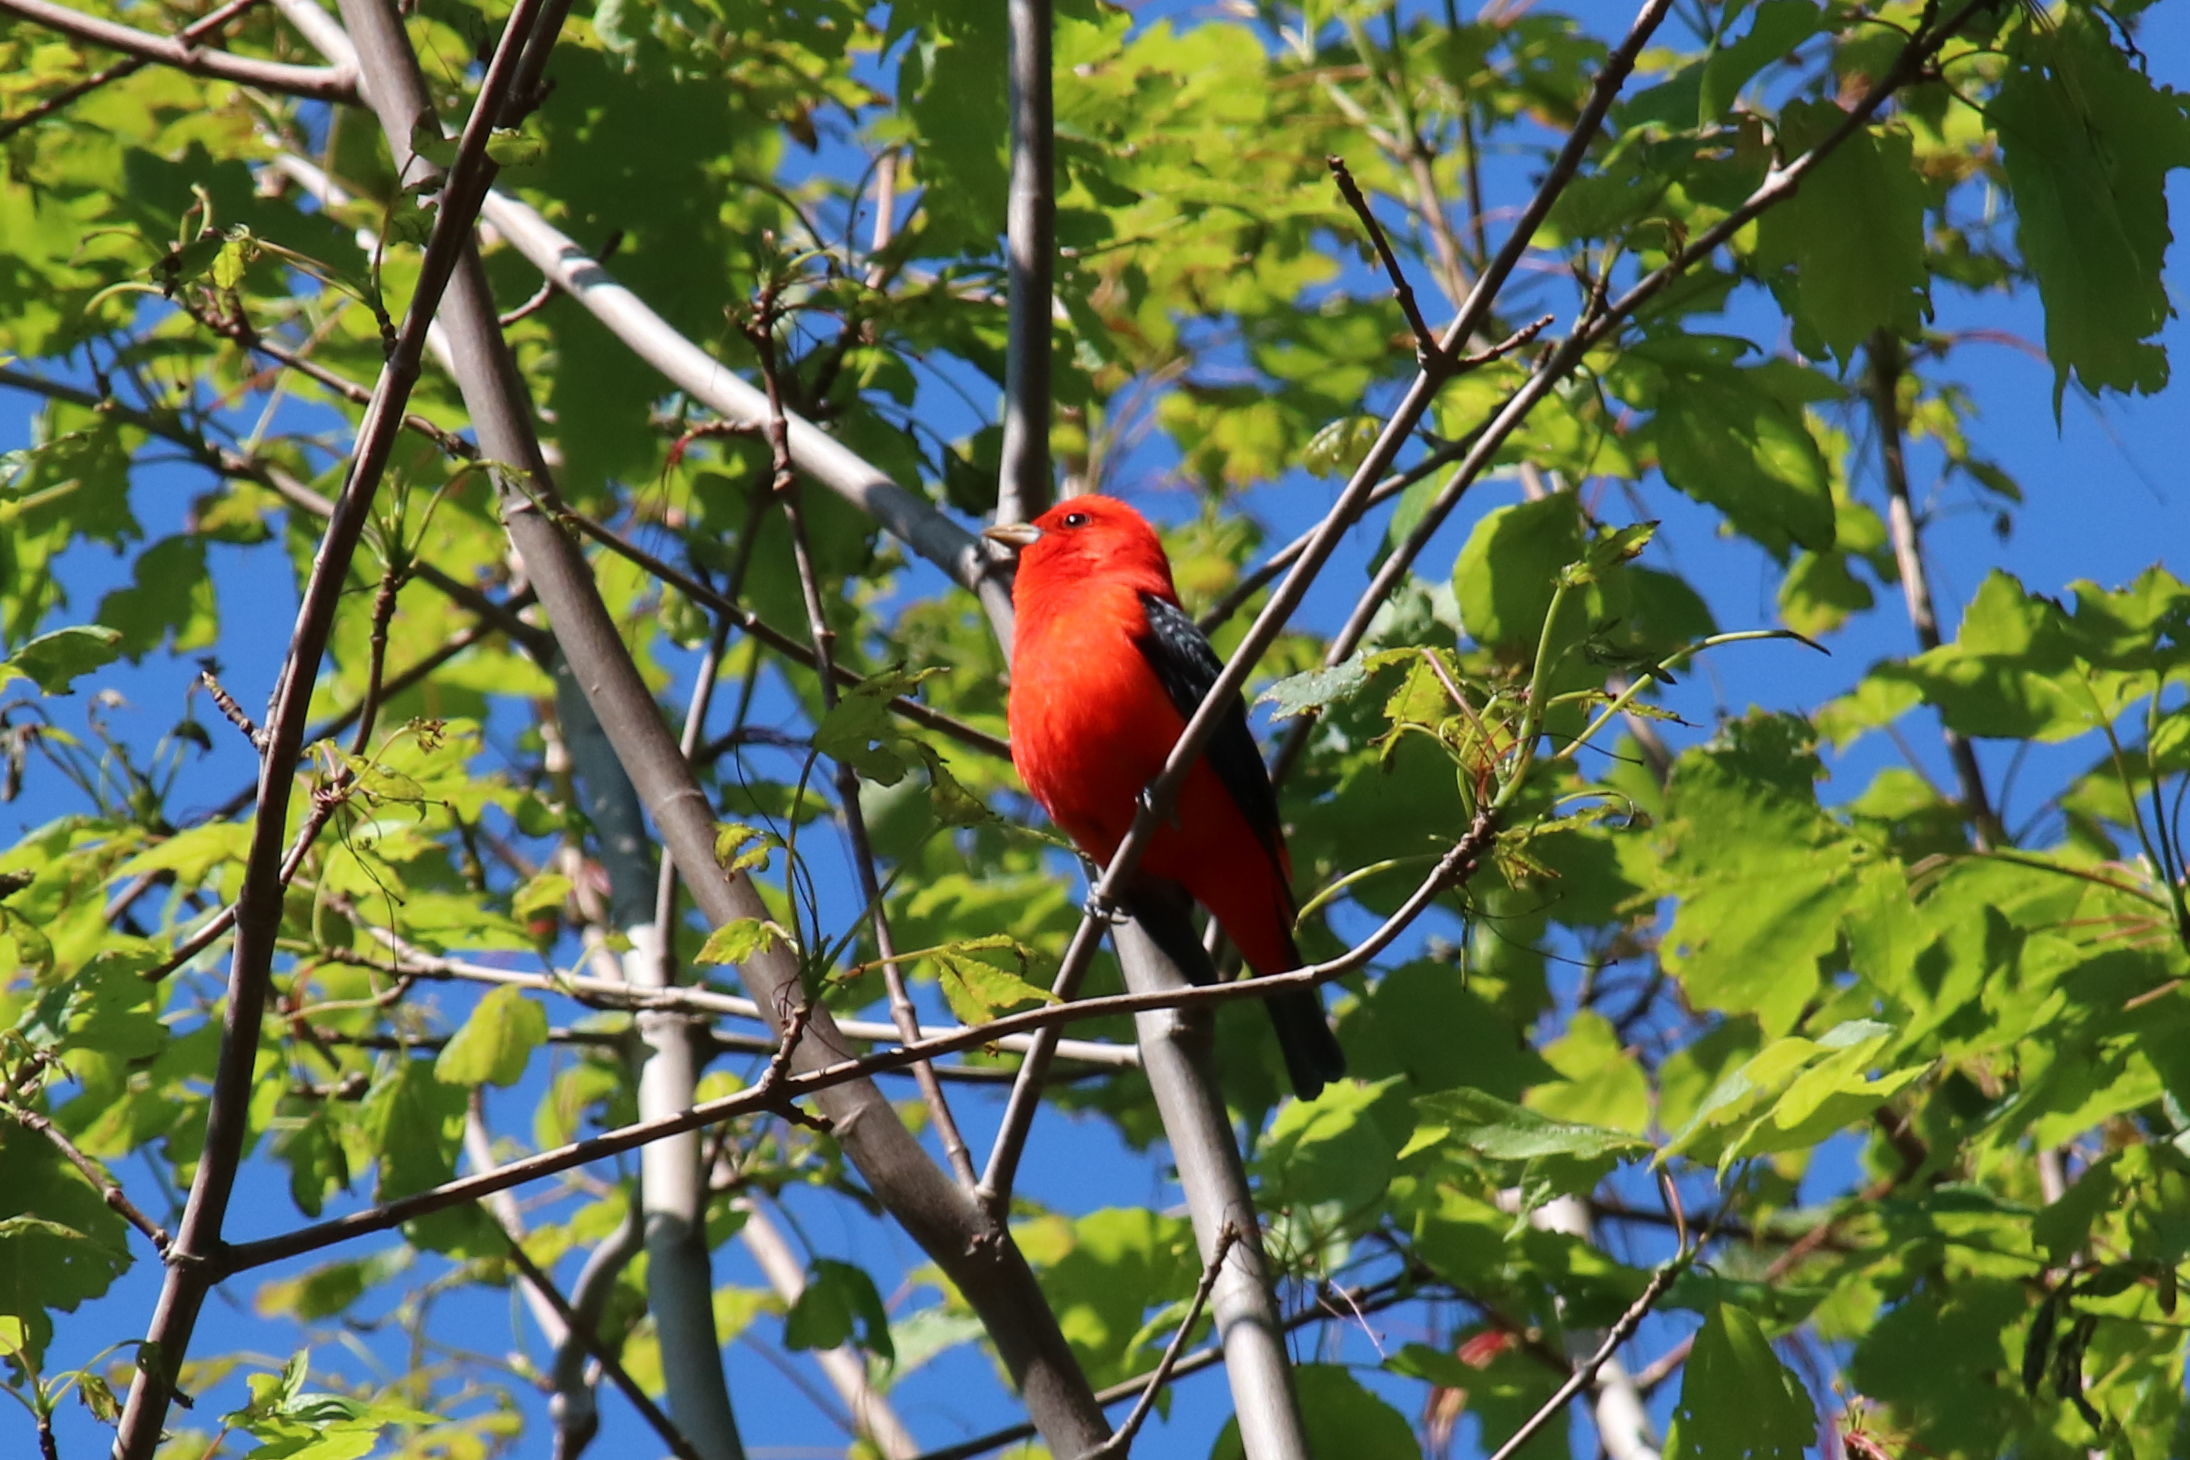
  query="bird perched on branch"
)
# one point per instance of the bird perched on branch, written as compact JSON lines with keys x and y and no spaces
{"x":1106,"y":671}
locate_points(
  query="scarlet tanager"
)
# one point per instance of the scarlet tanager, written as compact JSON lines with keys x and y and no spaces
{"x":1106,"y":669}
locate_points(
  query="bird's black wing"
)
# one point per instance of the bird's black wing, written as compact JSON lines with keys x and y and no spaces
{"x":1186,"y":666}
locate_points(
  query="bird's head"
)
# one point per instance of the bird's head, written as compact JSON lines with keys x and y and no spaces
{"x":1088,"y":538}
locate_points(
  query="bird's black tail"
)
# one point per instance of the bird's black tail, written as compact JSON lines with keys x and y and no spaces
{"x":1312,"y":1056}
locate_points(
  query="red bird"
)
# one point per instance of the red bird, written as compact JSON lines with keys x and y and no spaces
{"x":1106,"y":670}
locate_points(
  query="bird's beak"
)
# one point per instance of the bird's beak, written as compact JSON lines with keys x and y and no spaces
{"x":1016,"y":535}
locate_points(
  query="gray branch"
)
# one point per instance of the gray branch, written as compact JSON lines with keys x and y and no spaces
{"x":1177,"y":1049}
{"x":312,"y":83}
{"x":1023,"y":486}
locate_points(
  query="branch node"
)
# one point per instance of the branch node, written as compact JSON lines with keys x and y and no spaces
{"x":228,"y":707}
{"x":1427,"y":353}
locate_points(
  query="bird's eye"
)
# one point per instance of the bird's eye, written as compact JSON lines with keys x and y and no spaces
{"x":1075,"y":519}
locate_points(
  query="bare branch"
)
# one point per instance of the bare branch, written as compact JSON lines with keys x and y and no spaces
{"x":198,"y":29}
{"x":1454,"y":868}
{"x":1121,"y":1443}
{"x":1585,"y":1373}
{"x":1883,"y":383}
{"x":774,"y":638}
{"x":311,"y":83}
{"x":1023,"y":484}
{"x":1425,"y":341}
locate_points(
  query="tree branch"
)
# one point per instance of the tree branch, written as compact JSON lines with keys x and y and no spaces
{"x":1178,"y":1052}
{"x":1883,"y":384}
{"x":725,"y":606}
{"x":1585,"y":1373}
{"x":311,"y":83}
{"x":1121,"y":1444}
{"x":1023,"y":485}
{"x":776,"y":1091}
{"x":204,"y":26}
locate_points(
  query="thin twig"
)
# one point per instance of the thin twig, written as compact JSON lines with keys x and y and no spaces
{"x":1888,"y":364}
{"x":230,"y":710}
{"x":1425,"y":341}
{"x":312,"y":83}
{"x":109,"y":1189}
{"x":1120,"y":1444}
{"x":582,"y":1332}
{"x":197,"y":30}
{"x":774,"y":638}
{"x":1586,"y":1372}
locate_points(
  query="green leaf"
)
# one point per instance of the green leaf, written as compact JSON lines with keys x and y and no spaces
{"x":1738,"y":1401}
{"x":859,"y":732}
{"x":545,"y":892}
{"x":1507,"y":1132}
{"x":2063,"y":1227}
{"x":978,"y":990}
{"x":60,"y":1245}
{"x":1852,"y":236}
{"x":1603,"y":1085}
{"x":1737,"y":440}
{"x":1819,"y":594}
{"x":1776,"y":29}
{"x":428,"y":141}
{"x":172,"y":595}
{"x":511,"y":147}
{"x":55,"y":660}
{"x":738,"y":940}
{"x":1510,"y":566}
{"x":732,"y":851}
{"x":496,"y":1042}
{"x":2088,"y":142}
{"x":1331,"y":1149}
{"x":1339,"y":447}
{"x":839,"y":1305}
{"x":1317,"y":689}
